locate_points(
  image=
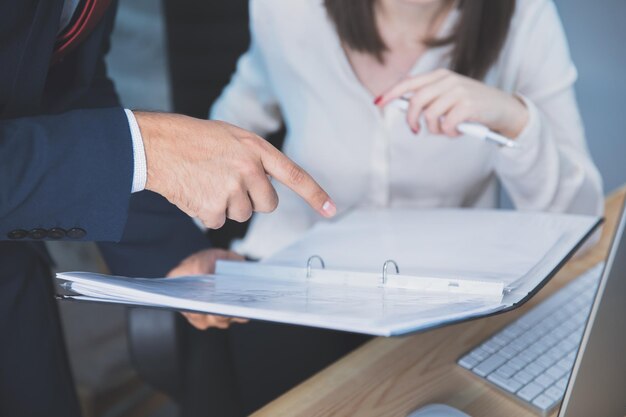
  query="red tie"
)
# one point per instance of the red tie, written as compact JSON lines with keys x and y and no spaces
{"x":85,"y":20}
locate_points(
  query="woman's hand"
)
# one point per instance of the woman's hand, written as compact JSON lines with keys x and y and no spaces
{"x":199,"y":263}
{"x":445,"y":99}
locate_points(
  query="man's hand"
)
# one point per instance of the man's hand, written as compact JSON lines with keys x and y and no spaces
{"x":203,"y":262}
{"x":213,"y":170}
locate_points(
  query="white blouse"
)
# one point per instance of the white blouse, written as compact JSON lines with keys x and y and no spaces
{"x":296,"y":72}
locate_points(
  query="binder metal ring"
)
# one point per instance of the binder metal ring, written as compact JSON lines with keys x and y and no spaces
{"x":309,"y":263}
{"x":386,"y":265}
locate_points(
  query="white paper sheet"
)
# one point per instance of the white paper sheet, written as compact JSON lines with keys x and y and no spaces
{"x":500,"y":245}
{"x":454,"y":264}
{"x":370,"y":309}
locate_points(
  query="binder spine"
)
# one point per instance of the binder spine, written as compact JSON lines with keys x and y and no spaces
{"x":316,"y":272}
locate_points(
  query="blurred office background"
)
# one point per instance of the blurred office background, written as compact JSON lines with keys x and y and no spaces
{"x":176,"y":55}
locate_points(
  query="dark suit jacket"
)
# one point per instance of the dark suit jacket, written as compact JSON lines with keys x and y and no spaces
{"x":63,"y":162}
{"x":65,"y":147}
{"x":66,"y":162}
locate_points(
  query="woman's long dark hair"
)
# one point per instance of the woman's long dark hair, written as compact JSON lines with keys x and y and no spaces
{"x":478,"y":36}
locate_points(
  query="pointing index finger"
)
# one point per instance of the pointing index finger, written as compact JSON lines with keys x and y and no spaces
{"x":298,"y":180}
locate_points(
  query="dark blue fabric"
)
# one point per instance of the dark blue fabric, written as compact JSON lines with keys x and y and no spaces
{"x":157,"y":237}
{"x":34,"y":373}
{"x":70,"y":170}
{"x":59,"y":167}
{"x":65,"y":161}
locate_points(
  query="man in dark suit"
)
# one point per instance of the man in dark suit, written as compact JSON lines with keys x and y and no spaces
{"x":70,"y":158}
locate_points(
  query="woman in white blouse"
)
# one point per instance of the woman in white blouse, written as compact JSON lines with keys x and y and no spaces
{"x":317,"y":66}
{"x":330,"y":70}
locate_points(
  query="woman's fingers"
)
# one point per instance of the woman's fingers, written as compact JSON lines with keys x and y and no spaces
{"x":232,"y":256}
{"x":203,"y":262}
{"x":423,"y":98}
{"x":457,"y":114}
{"x":411,"y":85}
{"x":206,"y":321}
{"x":433,"y":114}
{"x":439,"y":97}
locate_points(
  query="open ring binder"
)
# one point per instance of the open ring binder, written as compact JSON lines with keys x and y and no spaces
{"x":309,"y":264}
{"x":386,"y":265}
{"x":312,"y":258}
{"x":456,"y":265}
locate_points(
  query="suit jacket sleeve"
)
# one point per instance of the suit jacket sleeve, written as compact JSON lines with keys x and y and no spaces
{"x":71,"y":170}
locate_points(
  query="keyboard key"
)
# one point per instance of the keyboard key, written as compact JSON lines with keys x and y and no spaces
{"x":573,"y":338}
{"x":508,"y":352}
{"x":506,"y":371}
{"x":501,"y":339}
{"x":561,"y":332}
{"x":562,"y":383}
{"x":569,"y":345}
{"x":489,"y":365}
{"x":537,"y":349}
{"x":516,"y":363}
{"x":480,"y":354}
{"x":545,"y":361}
{"x":556,"y":371}
{"x":513,"y":330}
{"x":551,"y":339}
{"x":509,"y":384}
{"x":521,"y":343}
{"x":560,"y":315}
{"x":571,"y":309}
{"x":544,"y":402}
{"x":541,"y":329}
{"x":496,"y":342}
{"x":570,"y":325}
{"x":528,"y":356}
{"x":530,"y":391}
{"x":533,"y":369}
{"x":523,"y":359}
{"x":556,"y":353}
{"x":468,"y":362}
{"x":544,"y":380}
{"x":566,"y":363}
{"x":490,"y":346}
{"x":523,"y":377}
{"x":555,"y":393}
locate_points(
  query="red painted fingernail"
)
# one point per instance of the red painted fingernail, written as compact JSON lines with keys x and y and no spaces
{"x":378,"y":99}
{"x":414,"y":130}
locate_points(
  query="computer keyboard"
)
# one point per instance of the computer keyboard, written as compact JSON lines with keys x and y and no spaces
{"x":532,"y":358}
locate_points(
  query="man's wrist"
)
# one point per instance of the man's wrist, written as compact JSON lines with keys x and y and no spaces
{"x":140,"y":171}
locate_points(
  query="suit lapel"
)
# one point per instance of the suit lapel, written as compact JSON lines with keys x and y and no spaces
{"x":27,"y":35}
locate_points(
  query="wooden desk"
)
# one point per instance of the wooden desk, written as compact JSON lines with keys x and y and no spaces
{"x":391,"y":377}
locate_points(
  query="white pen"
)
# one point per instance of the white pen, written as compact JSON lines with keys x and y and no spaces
{"x":475,"y":130}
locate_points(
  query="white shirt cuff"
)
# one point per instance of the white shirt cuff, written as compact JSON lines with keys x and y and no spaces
{"x":140,"y":172}
{"x":529,"y":139}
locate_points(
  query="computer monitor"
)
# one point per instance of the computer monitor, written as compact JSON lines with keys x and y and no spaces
{"x":597,"y":386}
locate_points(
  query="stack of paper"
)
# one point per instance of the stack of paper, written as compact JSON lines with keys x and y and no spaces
{"x":451,"y":265}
